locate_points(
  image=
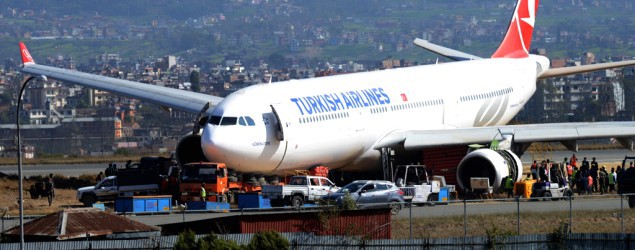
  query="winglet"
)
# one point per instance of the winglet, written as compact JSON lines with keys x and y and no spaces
{"x":518,"y":38}
{"x":26,"y":56}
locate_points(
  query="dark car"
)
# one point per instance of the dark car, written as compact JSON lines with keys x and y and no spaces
{"x":369,"y":194}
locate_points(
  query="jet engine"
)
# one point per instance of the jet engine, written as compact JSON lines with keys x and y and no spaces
{"x":495,"y":165}
{"x":189,"y":149}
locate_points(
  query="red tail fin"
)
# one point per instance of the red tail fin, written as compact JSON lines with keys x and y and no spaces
{"x":518,"y":38}
{"x":26,"y":56}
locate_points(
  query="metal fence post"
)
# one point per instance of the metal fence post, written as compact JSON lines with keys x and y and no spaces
{"x":571,"y":212}
{"x":410,"y":220}
{"x":518,"y":214}
{"x":465,"y":217}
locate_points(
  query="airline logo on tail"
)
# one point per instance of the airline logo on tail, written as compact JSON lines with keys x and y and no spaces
{"x":26,"y":56}
{"x":518,"y":38}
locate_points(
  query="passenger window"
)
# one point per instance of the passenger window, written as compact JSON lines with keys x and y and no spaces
{"x":241,"y":121}
{"x":250,"y":121}
{"x":228,"y":120}
{"x":215,"y":120}
{"x":382,"y":187}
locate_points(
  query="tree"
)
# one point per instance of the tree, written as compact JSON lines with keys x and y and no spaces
{"x":195,"y":81}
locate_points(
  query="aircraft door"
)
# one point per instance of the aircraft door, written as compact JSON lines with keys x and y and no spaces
{"x":451,"y":112}
{"x":283,"y":121}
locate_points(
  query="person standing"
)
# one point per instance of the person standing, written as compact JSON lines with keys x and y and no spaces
{"x":569,"y":171}
{"x":594,"y":175}
{"x":589,"y":189}
{"x":574,"y":160}
{"x":612,"y":176}
{"x":50,"y":187}
{"x":534,"y":170}
{"x":509,"y":186}
{"x":99,"y":177}
{"x":603,"y":177}
{"x":574,"y":179}
{"x":542,"y":172}
{"x":585,"y":164}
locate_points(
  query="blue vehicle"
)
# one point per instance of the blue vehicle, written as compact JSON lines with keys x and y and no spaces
{"x":370,"y":194}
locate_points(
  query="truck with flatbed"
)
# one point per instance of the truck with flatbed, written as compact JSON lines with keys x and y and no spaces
{"x":149,"y":177}
{"x":125,"y":183}
{"x":299,"y":190}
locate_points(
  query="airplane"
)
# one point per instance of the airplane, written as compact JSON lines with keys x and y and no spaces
{"x":353,"y":122}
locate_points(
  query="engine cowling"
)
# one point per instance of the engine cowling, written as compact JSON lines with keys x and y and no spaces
{"x":495,"y":165}
{"x":189,"y":149}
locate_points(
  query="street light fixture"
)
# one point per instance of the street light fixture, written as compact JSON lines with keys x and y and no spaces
{"x":17,"y":124}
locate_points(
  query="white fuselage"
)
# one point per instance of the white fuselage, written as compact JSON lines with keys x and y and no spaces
{"x":335,"y":121}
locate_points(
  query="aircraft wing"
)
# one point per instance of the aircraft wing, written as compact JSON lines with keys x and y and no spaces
{"x":582,"y":69}
{"x":520,"y":135}
{"x":446,"y":52}
{"x":187,"y":101}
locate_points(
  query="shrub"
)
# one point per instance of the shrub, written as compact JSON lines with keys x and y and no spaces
{"x":268,"y":240}
{"x":348,"y":203}
{"x":212,"y":241}
{"x":186,"y":241}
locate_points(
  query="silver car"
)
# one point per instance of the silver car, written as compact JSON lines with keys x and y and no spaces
{"x":370,"y":194}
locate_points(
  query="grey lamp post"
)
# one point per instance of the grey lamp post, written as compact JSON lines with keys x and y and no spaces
{"x":20,"y":188}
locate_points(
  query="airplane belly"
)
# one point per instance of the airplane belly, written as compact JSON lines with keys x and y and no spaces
{"x":319,"y":149}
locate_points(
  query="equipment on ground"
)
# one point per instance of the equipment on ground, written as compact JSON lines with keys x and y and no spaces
{"x":219,"y":183}
{"x":301,"y":189}
{"x":418,"y":187}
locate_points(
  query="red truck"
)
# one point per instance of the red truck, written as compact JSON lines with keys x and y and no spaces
{"x":214,"y":177}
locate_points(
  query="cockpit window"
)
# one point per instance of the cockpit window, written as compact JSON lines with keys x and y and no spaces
{"x":250,"y":121}
{"x":228,"y":120}
{"x":215,"y":120}
{"x":241,"y":121}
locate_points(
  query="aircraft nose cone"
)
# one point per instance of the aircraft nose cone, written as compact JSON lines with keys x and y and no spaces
{"x":212,"y":143}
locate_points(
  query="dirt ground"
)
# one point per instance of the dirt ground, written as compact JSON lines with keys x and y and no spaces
{"x":64,"y":198}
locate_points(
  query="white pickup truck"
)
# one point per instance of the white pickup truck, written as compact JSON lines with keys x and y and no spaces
{"x":108,"y":190}
{"x":300,"y":189}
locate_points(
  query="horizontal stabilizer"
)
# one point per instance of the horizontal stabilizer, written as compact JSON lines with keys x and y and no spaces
{"x":583,"y":69}
{"x":446,"y":52}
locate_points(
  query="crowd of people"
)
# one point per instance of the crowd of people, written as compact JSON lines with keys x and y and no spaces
{"x":584,"y":177}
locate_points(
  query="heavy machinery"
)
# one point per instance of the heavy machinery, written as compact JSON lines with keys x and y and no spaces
{"x":556,"y":188}
{"x":214,"y":178}
{"x":626,"y":182}
{"x":418,"y":186}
